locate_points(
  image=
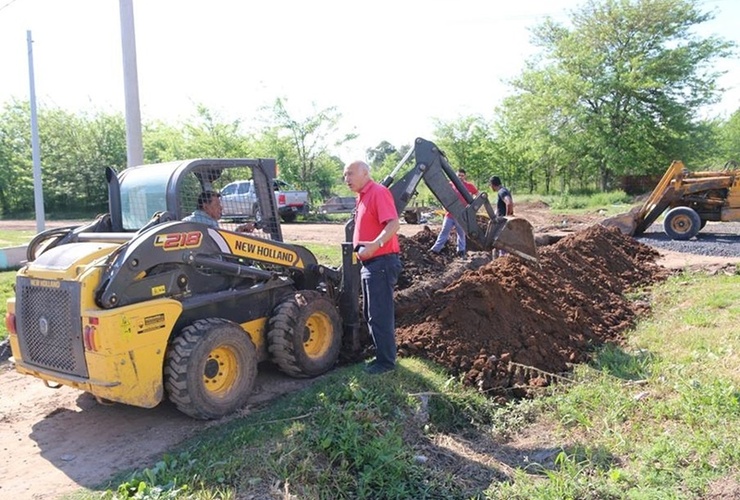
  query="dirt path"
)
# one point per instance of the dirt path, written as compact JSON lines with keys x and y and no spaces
{"x":55,"y":441}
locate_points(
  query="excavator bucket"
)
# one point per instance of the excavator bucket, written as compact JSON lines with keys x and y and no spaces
{"x":626,"y":222}
{"x":514,"y":235}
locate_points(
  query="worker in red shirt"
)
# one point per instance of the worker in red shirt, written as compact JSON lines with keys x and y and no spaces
{"x":376,"y":241}
{"x":449,"y":221}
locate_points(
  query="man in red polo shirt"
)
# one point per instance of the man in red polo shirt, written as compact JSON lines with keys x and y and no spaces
{"x":449,"y":220}
{"x":376,"y":225}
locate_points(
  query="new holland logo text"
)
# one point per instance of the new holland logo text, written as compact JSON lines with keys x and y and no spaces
{"x":264,"y":252}
{"x":178,"y":241}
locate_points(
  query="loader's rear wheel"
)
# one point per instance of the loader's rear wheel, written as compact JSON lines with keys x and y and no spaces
{"x":681,"y":223}
{"x":304,"y":334}
{"x":210,"y":368}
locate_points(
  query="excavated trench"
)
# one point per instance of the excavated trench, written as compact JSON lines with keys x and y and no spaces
{"x":506,"y":326}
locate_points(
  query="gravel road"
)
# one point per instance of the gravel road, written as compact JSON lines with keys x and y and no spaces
{"x":720,"y":239}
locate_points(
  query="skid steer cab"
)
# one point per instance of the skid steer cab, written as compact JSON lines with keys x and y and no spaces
{"x":138,"y":306}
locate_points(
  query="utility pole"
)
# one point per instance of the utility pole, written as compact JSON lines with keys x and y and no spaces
{"x":134,"y":147}
{"x":38,"y":191}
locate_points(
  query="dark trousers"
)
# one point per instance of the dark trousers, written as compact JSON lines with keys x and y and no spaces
{"x":379,"y":276}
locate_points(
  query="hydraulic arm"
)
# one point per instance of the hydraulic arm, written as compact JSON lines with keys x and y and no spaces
{"x":513,"y":234}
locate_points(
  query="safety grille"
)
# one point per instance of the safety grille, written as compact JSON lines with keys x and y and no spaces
{"x":49,"y":325}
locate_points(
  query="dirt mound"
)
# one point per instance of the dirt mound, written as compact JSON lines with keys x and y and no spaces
{"x":492,"y":322}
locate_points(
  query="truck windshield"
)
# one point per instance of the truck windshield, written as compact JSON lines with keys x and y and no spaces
{"x":143,"y":193}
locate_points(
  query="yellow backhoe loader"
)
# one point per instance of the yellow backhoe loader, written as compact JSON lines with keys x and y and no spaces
{"x":691,"y":198}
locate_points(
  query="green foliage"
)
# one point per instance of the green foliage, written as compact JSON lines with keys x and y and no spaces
{"x":569,"y":201}
{"x":468,"y":145}
{"x":16,"y":167}
{"x":730,"y":139}
{"x":304,"y":145}
{"x":615,"y":92}
{"x":74,"y":150}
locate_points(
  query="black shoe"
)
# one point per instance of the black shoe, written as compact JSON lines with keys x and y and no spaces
{"x":462,"y":255}
{"x":376,"y":369}
{"x":434,"y":252}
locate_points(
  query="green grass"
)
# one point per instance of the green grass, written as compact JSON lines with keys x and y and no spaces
{"x":15,"y":238}
{"x":609,"y":203}
{"x":655,"y":417}
{"x":329,"y":255}
{"x":658,"y":419}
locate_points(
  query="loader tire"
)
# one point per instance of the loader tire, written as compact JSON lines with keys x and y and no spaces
{"x":681,"y":223}
{"x":304,"y":334}
{"x":210,"y":368}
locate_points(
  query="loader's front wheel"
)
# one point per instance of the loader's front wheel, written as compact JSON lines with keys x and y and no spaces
{"x":681,"y":223}
{"x":210,"y":368}
{"x":304,"y":334}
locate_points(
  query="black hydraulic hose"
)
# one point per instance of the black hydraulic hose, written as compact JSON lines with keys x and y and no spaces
{"x":57,"y":233}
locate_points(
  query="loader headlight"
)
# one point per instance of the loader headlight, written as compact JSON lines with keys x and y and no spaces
{"x":88,"y":335}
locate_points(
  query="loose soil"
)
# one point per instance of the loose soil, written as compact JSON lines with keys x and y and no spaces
{"x":505,"y":326}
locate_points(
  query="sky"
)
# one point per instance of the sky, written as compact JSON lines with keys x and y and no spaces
{"x":390,"y":67}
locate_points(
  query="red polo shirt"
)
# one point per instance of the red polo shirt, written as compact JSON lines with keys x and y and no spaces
{"x":375,"y":207}
{"x":471,"y":189}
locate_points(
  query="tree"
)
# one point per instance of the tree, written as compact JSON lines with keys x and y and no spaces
{"x":621,"y":87}
{"x":163,"y":142}
{"x":467,"y":143}
{"x":302,"y":146}
{"x":207,"y":136}
{"x":730,"y":138}
{"x":377,"y":155}
{"x":16,"y":168}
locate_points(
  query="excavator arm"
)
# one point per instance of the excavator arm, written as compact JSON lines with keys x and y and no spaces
{"x":513,"y":234}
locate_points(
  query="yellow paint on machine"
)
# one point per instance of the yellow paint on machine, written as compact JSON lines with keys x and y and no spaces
{"x":262,"y":250}
{"x":131,"y":343}
{"x":256,"y":331}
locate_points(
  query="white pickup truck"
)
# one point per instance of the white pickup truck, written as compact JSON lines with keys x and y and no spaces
{"x":238,"y":199}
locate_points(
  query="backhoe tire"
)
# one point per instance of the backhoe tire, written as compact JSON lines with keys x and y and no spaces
{"x":681,"y":223}
{"x":210,"y":368}
{"x":304,"y":334}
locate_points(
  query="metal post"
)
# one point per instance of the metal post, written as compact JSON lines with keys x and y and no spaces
{"x":38,"y":192}
{"x":134,"y":147}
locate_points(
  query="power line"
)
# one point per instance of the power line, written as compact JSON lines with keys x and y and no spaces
{"x":8,"y":4}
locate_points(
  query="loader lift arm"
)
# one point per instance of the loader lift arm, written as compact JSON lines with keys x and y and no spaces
{"x":513,"y":234}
